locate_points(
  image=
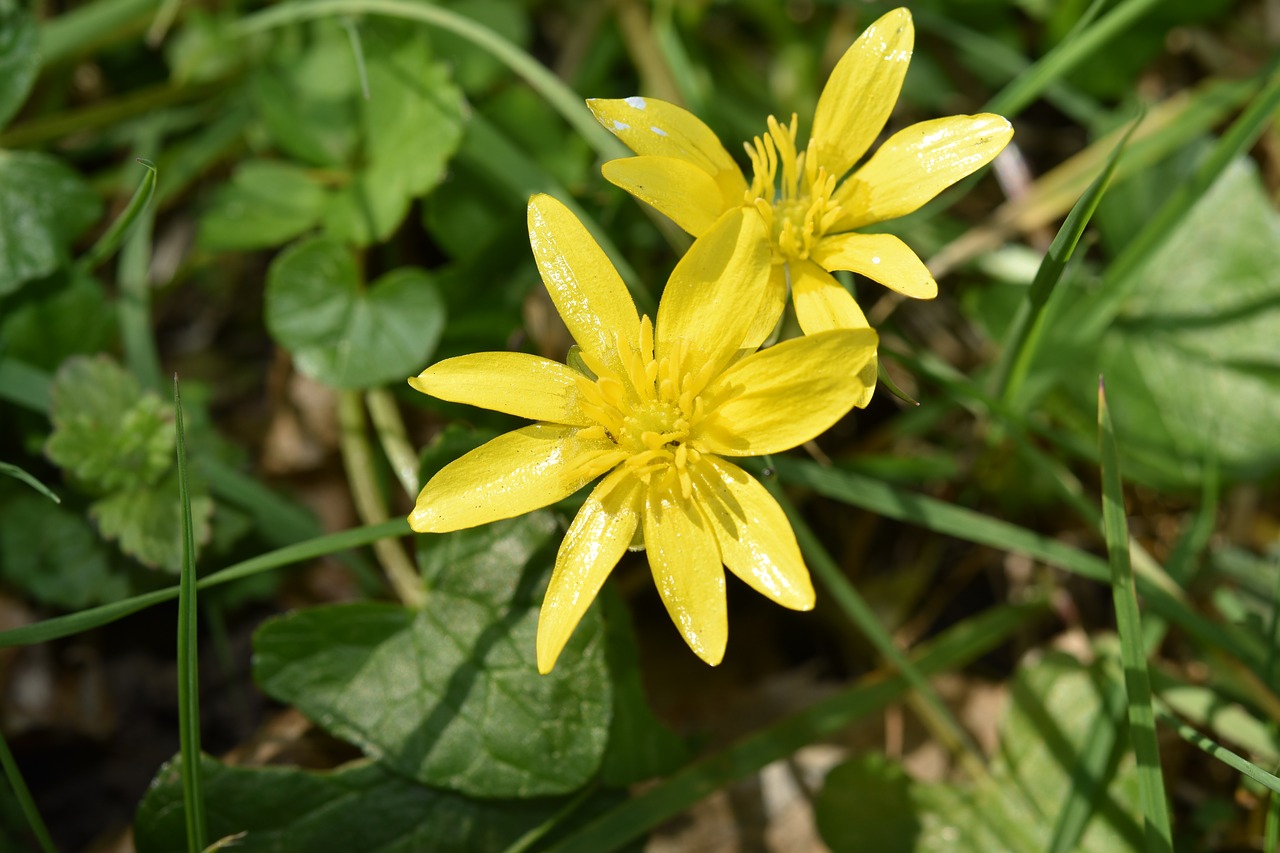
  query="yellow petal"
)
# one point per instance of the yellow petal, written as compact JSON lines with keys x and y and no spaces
{"x":513,"y":474}
{"x":880,"y":257}
{"x":678,"y":189}
{"x":716,"y":290}
{"x":546,"y":389}
{"x":767,"y":316}
{"x":916,"y":164}
{"x":686,"y":568}
{"x":822,"y":304}
{"x":777,"y":398}
{"x":596,"y":540}
{"x":755,"y":538}
{"x":861,"y":92}
{"x":657,"y":128}
{"x":586,"y":289}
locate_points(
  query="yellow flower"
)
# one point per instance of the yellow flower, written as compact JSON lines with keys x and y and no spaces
{"x":812,"y":215}
{"x":667,"y":401}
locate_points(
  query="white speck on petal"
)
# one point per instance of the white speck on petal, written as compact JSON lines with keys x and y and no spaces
{"x":875,"y":260}
{"x":620,"y":125}
{"x":637,"y":102}
{"x":658,"y":130}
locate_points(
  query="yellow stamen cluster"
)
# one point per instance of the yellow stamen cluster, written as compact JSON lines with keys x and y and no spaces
{"x":650,"y":414}
{"x":797,"y":206}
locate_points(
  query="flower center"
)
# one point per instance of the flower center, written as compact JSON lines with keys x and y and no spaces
{"x":650,"y":412}
{"x":790,"y":191}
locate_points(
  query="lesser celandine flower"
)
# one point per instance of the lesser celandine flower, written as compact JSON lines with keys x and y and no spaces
{"x":662,"y":407}
{"x":812,"y":210}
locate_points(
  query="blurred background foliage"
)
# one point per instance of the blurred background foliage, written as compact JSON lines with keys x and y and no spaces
{"x":294,"y":207}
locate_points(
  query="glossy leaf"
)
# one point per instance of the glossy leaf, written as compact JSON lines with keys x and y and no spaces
{"x":267,"y":203}
{"x":44,"y":206}
{"x":360,"y":806}
{"x":19,"y":57}
{"x":342,"y":334}
{"x":449,"y":695}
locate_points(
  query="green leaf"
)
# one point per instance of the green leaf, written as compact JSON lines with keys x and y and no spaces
{"x":19,"y":57}
{"x":64,"y":315}
{"x":44,"y":206}
{"x":1045,"y":731}
{"x":344,"y":335}
{"x":1193,"y":359}
{"x":17,"y":473}
{"x":360,"y":806}
{"x":640,"y":746}
{"x":147,"y":521}
{"x":308,"y":101}
{"x":413,"y":107}
{"x":450,"y":694}
{"x":106,"y":431}
{"x":52,"y":554}
{"x":866,"y":805}
{"x":267,"y":203}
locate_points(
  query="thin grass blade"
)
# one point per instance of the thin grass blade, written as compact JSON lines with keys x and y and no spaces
{"x":1078,"y":46}
{"x":941,"y":517}
{"x":1142,"y":726}
{"x":955,"y":647}
{"x":95,"y":617}
{"x":1210,"y":747}
{"x":1119,"y":281}
{"x":23,"y":795}
{"x":18,"y":474}
{"x":188,"y":665}
{"x":112,"y":237}
{"x":860,"y":613}
{"x":1028,"y":324}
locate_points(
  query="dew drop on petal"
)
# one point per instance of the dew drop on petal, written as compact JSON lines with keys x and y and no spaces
{"x":658,"y":130}
{"x":637,"y":102}
{"x":621,"y":125}
{"x":875,"y":260}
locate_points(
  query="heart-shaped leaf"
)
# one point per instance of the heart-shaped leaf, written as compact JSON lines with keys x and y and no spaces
{"x":346,"y":335}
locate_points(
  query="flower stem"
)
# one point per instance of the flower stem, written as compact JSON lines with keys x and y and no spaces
{"x":393,"y":437}
{"x":357,"y":458}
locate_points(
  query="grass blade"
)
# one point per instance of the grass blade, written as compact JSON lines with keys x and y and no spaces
{"x":111,"y":238}
{"x":1028,"y":324}
{"x":1142,"y":726}
{"x":23,"y":795}
{"x":941,"y":517}
{"x":18,"y":474}
{"x":1065,"y":56}
{"x":1220,"y":752}
{"x":94,"y":617}
{"x":630,"y":820}
{"x":1118,"y":281}
{"x":188,"y":665}
{"x":936,"y":715}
